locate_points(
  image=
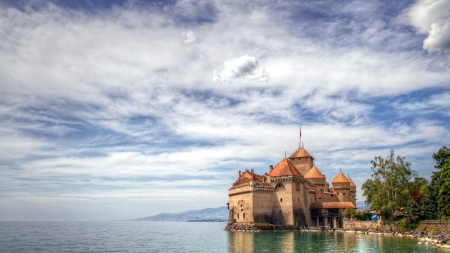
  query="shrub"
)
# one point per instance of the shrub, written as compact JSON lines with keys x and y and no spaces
{"x":405,"y":225}
{"x":363,"y":216}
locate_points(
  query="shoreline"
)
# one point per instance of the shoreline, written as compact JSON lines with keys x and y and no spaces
{"x":441,"y":241}
{"x":419,"y":235}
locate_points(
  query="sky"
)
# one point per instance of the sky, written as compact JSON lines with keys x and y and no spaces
{"x":123,"y":109}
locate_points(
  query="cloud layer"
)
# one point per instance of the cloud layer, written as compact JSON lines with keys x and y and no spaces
{"x":109,"y":112}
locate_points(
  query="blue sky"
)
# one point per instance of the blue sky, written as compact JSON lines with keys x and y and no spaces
{"x":123,"y":109}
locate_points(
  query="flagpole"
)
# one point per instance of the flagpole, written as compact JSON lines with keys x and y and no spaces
{"x":300,"y":143}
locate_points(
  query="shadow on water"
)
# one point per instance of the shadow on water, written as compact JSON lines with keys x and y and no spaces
{"x":297,"y":241}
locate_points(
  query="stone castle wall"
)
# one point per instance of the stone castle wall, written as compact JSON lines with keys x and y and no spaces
{"x":262,"y":207}
{"x":243,"y":207}
{"x":282,"y":204}
{"x":303,"y":164}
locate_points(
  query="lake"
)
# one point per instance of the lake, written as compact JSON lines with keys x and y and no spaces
{"x":186,"y":237}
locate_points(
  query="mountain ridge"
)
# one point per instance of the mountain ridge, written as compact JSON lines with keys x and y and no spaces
{"x":207,"y":214}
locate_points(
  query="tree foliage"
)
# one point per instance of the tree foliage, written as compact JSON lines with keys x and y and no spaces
{"x":349,"y":212}
{"x":440,"y":182}
{"x":389,"y":188}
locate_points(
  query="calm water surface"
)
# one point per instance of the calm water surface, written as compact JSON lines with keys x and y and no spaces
{"x":185,"y":237}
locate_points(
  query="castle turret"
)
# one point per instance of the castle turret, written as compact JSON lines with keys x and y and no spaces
{"x":290,"y":197}
{"x":341,"y":186}
{"x":320,"y":184}
{"x":302,"y":160}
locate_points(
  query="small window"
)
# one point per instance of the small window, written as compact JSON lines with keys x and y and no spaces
{"x":332,"y":195}
{"x":243,"y":216}
{"x":343,"y":193}
{"x":238,"y":215}
{"x":281,"y":199}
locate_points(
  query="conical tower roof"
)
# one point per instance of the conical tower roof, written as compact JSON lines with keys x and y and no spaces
{"x":300,"y":152}
{"x":351,"y":182}
{"x":285,"y":168}
{"x":314,"y":173}
{"x":340,"y":178}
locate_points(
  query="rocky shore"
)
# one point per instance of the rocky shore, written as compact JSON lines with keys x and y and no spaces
{"x":439,"y":238}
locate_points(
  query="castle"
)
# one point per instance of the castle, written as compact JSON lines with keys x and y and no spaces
{"x":293,"y":193}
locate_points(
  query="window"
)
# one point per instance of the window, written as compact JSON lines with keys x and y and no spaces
{"x":343,"y":193}
{"x":281,"y":199}
{"x":243,"y":216}
{"x":238,"y":215}
{"x":297,"y":186}
{"x":332,"y":195}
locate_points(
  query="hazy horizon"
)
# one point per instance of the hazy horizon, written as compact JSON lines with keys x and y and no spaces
{"x":122,"y":109}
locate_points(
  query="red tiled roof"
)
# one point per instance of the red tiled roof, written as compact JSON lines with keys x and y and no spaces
{"x":340,"y":178}
{"x":331,"y":205}
{"x":301,"y":152}
{"x":246,"y":177}
{"x":314,"y":173}
{"x":285,"y":168}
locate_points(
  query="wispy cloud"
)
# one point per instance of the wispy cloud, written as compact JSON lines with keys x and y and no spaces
{"x":115,"y":104}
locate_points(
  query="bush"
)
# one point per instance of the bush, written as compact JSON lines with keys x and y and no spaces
{"x":363,"y":216}
{"x":405,"y":225}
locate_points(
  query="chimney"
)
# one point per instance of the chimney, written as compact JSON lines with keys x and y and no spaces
{"x":252,"y":171}
{"x":239,"y":174}
{"x":271,"y":167}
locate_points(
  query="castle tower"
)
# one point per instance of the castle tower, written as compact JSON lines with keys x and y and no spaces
{"x":290,"y":195}
{"x":341,"y":186}
{"x":319,"y":182}
{"x":352,"y":191}
{"x":302,"y":160}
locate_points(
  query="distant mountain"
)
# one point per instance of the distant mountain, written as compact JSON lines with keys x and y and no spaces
{"x":208,"y":214}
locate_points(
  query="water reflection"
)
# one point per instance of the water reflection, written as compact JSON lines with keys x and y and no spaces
{"x":297,"y":241}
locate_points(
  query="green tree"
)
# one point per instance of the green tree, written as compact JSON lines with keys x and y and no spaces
{"x":388,"y":190}
{"x":349,"y":212}
{"x":440,"y":182}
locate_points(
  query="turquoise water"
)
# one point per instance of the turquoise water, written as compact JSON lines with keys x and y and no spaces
{"x":185,"y":237}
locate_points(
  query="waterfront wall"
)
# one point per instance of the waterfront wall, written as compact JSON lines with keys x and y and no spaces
{"x":359,"y":225}
{"x":435,"y":227}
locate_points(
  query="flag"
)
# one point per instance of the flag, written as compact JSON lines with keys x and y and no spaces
{"x":300,"y":132}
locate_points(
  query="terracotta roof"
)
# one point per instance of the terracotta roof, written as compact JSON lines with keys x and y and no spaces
{"x":285,"y":168}
{"x":340,"y":178}
{"x":351,"y":182}
{"x":330,"y":205}
{"x":301,"y":152}
{"x":246,"y":177}
{"x":314,"y":173}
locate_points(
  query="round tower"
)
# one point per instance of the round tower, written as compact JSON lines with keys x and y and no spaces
{"x":319,"y":181}
{"x":341,"y":186}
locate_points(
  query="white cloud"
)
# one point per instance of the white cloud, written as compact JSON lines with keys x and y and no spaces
{"x":432,"y":17}
{"x":245,"y":67}
{"x":189,"y":37}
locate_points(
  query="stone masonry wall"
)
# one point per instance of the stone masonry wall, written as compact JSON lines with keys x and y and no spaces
{"x":242,"y":204}
{"x":359,"y":225}
{"x":262,"y":207}
{"x":282,"y":205}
